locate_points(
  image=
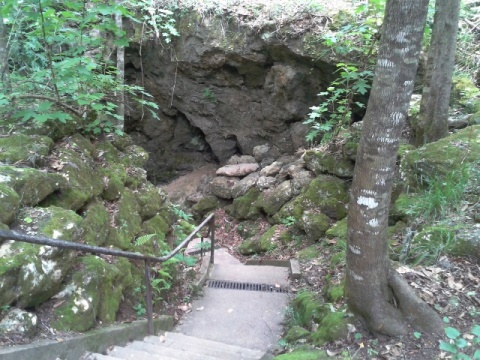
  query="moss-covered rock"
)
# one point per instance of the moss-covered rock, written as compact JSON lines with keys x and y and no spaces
{"x":41,"y":269}
{"x":134,"y":156}
{"x":205,"y":205}
{"x":150,"y":199}
{"x":107,"y":152}
{"x":467,"y":242}
{"x":158,"y":226}
{"x":325,"y":194}
{"x":304,"y":354}
{"x":222,"y":186}
{"x":94,"y":291}
{"x":95,"y":224}
{"x":10,"y":201}
{"x":338,"y":230}
{"x":296,"y":333}
{"x":114,"y":178}
{"x":248,"y":229}
{"x":260,"y":244}
{"x":315,"y":224}
{"x":320,"y":163}
{"x":136,"y":177}
{"x":309,"y":253}
{"x":19,"y":322}
{"x":440,"y":158}
{"x":127,"y":221}
{"x":307,"y":308}
{"x":19,"y":148}
{"x":271,"y":201}
{"x":332,"y":327}
{"x":82,"y":145}
{"x":465,"y":93}
{"x":121,"y":142}
{"x":83,"y":181}
{"x":244,"y":207}
{"x":31,"y":185}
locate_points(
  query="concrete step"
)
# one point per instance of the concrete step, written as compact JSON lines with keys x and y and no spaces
{"x":176,"y":346}
{"x":258,"y":274}
{"x":205,"y":347}
{"x":92,"y":356}
{"x":165,"y":351}
{"x":134,"y":354}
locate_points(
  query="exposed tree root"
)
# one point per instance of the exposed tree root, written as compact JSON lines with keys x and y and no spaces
{"x":399,"y":313}
{"x":418,"y":313}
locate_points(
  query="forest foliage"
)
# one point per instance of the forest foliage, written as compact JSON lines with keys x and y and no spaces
{"x":57,"y":61}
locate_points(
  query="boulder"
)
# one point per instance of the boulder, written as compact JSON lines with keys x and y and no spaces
{"x":442,"y":157}
{"x":244,"y":185}
{"x":29,"y":150}
{"x":96,"y":224}
{"x":320,"y":162}
{"x":31,"y":185}
{"x":326,"y":194}
{"x":205,"y":205}
{"x":237,"y":170}
{"x":134,"y":156}
{"x":266,"y":182}
{"x":93,"y":292}
{"x":127,"y":222}
{"x":83,"y":181}
{"x":243,"y":159}
{"x":245,"y":207}
{"x":259,"y":244}
{"x":114,"y":178}
{"x":19,"y":322}
{"x":31,"y":274}
{"x":150,"y":199}
{"x":10,"y":201}
{"x":315,"y":224}
{"x":222,"y":186}
{"x":272,"y":169}
{"x":272,"y":200}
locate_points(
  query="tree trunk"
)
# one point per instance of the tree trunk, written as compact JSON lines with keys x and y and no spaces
{"x":374,"y":290}
{"x":432,"y":122}
{"x":120,"y":73}
{"x":3,"y":53}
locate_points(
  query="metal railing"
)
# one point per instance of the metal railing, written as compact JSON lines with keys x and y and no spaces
{"x":210,"y":220}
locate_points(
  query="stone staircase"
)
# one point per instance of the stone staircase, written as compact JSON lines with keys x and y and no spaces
{"x":238,"y":317}
{"x":176,"y":346}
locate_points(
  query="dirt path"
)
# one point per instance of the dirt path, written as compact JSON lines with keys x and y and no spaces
{"x":186,"y":185}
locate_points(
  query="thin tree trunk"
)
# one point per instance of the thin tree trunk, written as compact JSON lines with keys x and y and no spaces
{"x":4,"y":73}
{"x":120,"y":73}
{"x":432,"y":122}
{"x":375,"y":291}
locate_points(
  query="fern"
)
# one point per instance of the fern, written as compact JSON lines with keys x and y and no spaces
{"x":142,"y":240}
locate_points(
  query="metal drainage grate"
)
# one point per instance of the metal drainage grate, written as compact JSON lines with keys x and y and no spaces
{"x":234,"y":285}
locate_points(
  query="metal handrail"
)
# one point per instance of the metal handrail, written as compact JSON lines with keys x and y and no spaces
{"x":40,"y":240}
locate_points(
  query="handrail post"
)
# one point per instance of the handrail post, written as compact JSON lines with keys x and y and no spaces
{"x":149,"y":297}
{"x":212,"y":239}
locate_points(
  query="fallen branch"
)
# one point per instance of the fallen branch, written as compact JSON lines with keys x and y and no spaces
{"x":47,"y":98}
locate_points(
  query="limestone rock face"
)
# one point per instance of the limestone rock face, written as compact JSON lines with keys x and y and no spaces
{"x":235,"y":89}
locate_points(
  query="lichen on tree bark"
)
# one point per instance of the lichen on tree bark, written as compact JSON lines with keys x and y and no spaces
{"x":374,"y":290}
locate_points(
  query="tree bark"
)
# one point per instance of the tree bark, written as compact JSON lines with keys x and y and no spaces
{"x":3,"y":53}
{"x":374,"y":290}
{"x":120,"y":73}
{"x":432,"y":121}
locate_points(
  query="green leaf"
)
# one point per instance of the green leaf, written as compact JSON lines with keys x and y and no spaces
{"x":476,"y":330}
{"x":417,"y":335}
{"x":447,"y":347}
{"x":451,"y":332}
